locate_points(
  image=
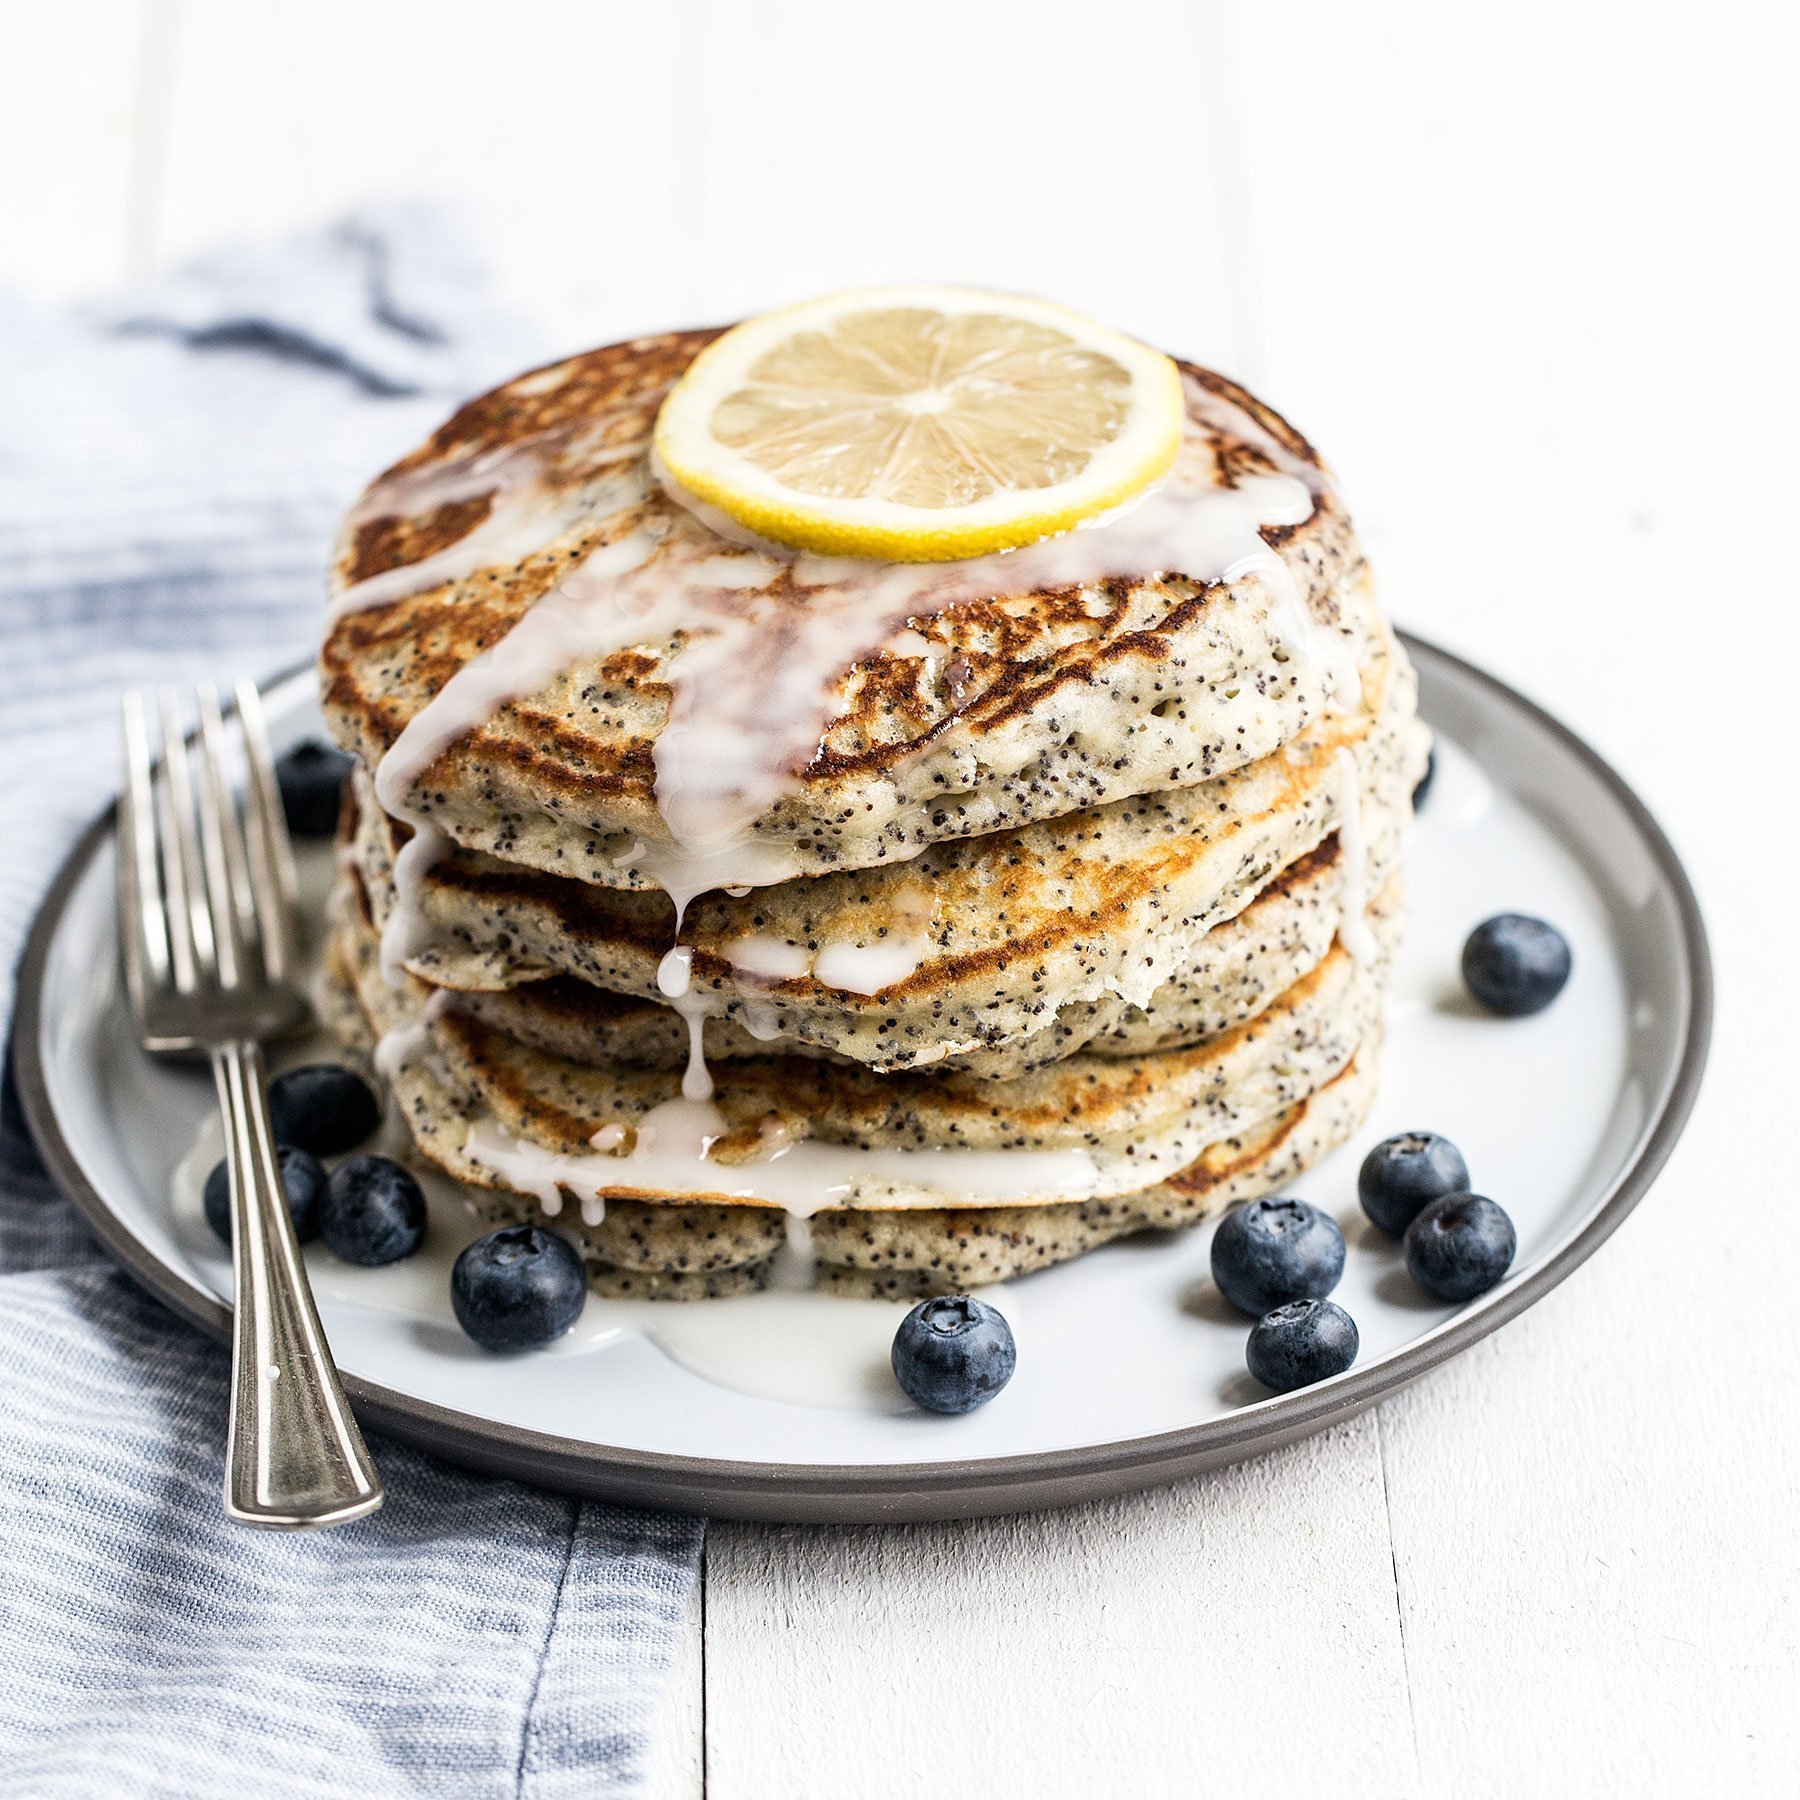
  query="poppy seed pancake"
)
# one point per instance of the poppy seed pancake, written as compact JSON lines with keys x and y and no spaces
{"x":989,"y":714}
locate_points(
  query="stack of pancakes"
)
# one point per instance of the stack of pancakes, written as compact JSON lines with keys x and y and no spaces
{"x":1073,"y":919}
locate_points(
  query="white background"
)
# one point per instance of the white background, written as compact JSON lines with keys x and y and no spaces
{"x":1528,"y":274}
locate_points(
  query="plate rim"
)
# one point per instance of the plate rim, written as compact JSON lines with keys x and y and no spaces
{"x":854,"y":1493}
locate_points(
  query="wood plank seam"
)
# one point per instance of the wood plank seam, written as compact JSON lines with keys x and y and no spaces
{"x":1412,"y":1710}
{"x":703,"y":1584}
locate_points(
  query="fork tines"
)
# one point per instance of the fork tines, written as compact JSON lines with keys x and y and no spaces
{"x":206,"y":878}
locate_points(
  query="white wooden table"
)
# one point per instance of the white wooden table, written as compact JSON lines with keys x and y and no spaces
{"x":1528,"y":273}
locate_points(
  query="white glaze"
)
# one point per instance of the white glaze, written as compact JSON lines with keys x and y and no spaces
{"x":761,"y":1020}
{"x":529,"y":1168}
{"x":671,"y":1154}
{"x":797,"y":1263}
{"x":521,"y":518}
{"x":854,"y":968}
{"x":409,"y":1042}
{"x":406,"y":932}
{"x":769,"y":958}
{"x":785,"y":1343}
{"x":675,"y":973}
{"x":869,"y":968}
{"x":675,"y":979}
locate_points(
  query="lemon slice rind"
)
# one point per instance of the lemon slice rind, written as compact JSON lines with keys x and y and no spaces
{"x":714,"y":473}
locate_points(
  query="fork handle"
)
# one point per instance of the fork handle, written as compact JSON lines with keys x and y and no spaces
{"x":295,"y":1456}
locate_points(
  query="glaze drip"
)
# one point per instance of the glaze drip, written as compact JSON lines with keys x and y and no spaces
{"x":671,"y":1153}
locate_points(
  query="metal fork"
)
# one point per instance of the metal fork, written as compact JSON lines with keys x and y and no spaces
{"x":206,"y":916}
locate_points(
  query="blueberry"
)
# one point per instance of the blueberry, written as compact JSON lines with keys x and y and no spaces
{"x":953,"y":1355}
{"x":373,"y":1211}
{"x":1515,"y":965}
{"x":1300,"y":1343}
{"x":302,"y":1179}
{"x":1272,"y":1251}
{"x":1401,"y":1175}
{"x":311,"y":779}
{"x":1460,"y":1246}
{"x":323,"y":1108}
{"x":518,"y":1288}
{"x":1425,"y":780}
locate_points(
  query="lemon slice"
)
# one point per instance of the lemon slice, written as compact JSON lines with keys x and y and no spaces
{"x":919,"y":424}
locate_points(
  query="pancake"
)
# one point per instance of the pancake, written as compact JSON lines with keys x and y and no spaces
{"x":524,"y":580}
{"x":694,"y":1249}
{"x":1005,"y":951}
{"x":785,"y":1131}
{"x":911,"y":1254}
{"x":1238,"y":968}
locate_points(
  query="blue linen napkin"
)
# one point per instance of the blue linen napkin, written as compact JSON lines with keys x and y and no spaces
{"x":172,"y":467}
